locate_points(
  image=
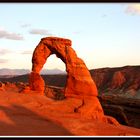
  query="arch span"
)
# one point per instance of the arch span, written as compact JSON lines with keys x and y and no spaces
{"x":79,"y":81}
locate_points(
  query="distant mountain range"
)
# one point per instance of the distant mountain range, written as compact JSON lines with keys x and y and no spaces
{"x":14,"y":72}
{"x":52,"y":71}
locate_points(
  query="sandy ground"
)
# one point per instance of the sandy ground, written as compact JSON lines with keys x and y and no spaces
{"x":37,"y":115}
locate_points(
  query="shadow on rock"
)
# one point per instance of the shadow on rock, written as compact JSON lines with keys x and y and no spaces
{"x":19,"y":120}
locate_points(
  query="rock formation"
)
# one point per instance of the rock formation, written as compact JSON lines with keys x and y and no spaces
{"x":36,"y":82}
{"x":122,"y":78}
{"x":117,"y":81}
{"x":1,"y":86}
{"x":79,"y":82}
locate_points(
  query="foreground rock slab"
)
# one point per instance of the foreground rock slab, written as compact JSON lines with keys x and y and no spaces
{"x":36,"y":115}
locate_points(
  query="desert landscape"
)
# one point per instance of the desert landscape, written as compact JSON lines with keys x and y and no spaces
{"x":33,"y":106}
{"x":69,"y":70}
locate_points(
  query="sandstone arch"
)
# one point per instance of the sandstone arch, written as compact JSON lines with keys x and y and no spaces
{"x":79,"y":81}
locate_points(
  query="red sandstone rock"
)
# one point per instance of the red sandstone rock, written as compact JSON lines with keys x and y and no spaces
{"x":118,"y":80}
{"x":79,"y":80}
{"x":25,"y":90}
{"x":36,"y":82}
{"x":22,"y":115}
{"x":122,"y":78}
{"x":112,"y":120}
{"x":1,"y":86}
{"x":91,"y":108}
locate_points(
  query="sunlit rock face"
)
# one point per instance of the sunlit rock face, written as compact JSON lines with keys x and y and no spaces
{"x":1,"y":86}
{"x":36,"y":82}
{"x":79,"y":81}
{"x":118,"y":80}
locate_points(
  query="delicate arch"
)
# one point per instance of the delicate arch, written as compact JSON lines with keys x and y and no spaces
{"x":79,"y":81}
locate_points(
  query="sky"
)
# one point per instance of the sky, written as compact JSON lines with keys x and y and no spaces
{"x":102,"y":34}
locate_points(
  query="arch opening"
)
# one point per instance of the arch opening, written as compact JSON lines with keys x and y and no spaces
{"x":54,"y":75}
{"x":53,"y":65}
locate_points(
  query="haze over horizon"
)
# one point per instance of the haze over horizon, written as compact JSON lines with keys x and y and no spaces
{"x":102,"y":34}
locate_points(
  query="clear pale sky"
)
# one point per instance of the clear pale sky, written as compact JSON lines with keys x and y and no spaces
{"x":102,"y":34}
